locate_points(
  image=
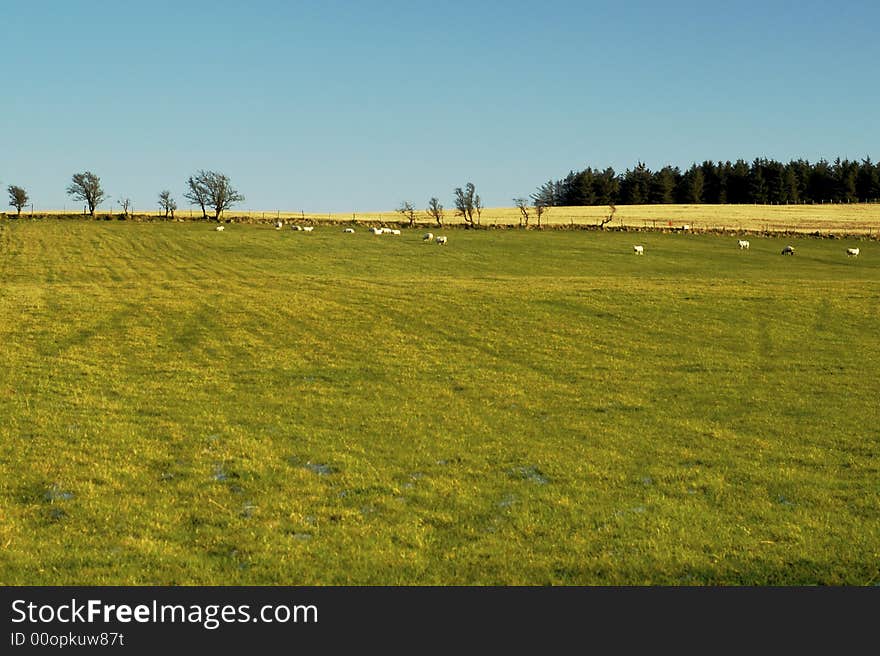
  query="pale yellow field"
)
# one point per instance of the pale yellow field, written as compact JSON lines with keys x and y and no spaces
{"x":852,"y":218}
{"x":839,"y":218}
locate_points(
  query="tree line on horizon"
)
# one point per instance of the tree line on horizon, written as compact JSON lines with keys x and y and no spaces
{"x":762,"y":181}
{"x":207,"y":189}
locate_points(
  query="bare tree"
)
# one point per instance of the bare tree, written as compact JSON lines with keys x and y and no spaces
{"x":409,"y":212}
{"x":125,"y":203}
{"x":609,"y":218}
{"x":222,"y":196}
{"x":540,"y":210}
{"x":435,"y":210}
{"x":214,"y":190}
{"x":464,"y":203}
{"x":167,"y":203}
{"x":523,"y":206}
{"x":86,"y":187}
{"x":18,"y":198}
{"x":197,"y":191}
{"x":544,"y":198}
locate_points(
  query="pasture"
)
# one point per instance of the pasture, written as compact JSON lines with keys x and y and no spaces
{"x":840,"y":219}
{"x":182,"y":406}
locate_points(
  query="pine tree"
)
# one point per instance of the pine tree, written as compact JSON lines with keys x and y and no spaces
{"x":692,"y":186}
{"x":868,"y":181}
{"x":663,"y":184}
{"x":738,"y":183}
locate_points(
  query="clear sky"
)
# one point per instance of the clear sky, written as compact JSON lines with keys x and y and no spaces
{"x":357,"y":106}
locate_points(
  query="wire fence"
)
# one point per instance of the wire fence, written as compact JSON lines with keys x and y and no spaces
{"x":861,"y":218}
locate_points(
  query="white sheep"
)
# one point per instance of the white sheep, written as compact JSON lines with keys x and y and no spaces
{"x":308,"y":228}
{"x":348,"y":230}
{"x":788,"y":250}
{"x":428,"y":236}
{"x":295,"y":227}
{"x":743,"y":244}
{"x":639,"y":250}
{"x":219,"y":228}
{"x":386,"y":231}
{"x":376,"y":231}
{"x":441,"y":240}
{"x":852,"y":252}
{"x":278,"y":225}
{"x":395,"y":232}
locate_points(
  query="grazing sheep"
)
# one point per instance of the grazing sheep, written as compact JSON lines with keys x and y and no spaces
{"x":852,"y":252}
{"x":386,"y":231}
{"x":743,"y":244}
{"x":219,"y":228}
{"x":278,"y":225}
{"x":395,"y":232}
{"x":295,"y":227}
{"x":441,"y":240}
{"x":639,"y":250}
{"x":428,"y":236}
{"x":308,"y":228}
{"x":788,"y":250}
{"x":376,"y":231}
{"x":348,"y":230}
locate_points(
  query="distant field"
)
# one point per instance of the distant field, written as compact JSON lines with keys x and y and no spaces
{"x":858,"y":218}
{"x":183,"y":406}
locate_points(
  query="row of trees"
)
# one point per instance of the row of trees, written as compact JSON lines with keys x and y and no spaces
{"x":207,"y":189}
{"x":468,"y":205}
{"x":763,"y":181}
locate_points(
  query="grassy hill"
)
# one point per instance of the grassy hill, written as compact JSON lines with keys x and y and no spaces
{"x":182,"y":406}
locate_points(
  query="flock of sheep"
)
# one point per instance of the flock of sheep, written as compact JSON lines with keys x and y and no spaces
{"x":744,"y":245}
{"x":789,"y":250}
{"x":428,"y":236}
{"x":441,"y":239}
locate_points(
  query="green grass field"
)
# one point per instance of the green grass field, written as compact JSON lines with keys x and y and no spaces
{"x":258,"y":407}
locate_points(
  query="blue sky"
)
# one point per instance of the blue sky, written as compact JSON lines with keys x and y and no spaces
{"x":358,"y":106}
